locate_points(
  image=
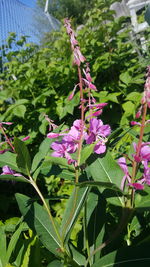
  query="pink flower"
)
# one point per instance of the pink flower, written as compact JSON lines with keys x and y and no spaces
{"x":98,"y":132}
{"x":123,"y":165}
{"x":89,"y":85}
{"x":146,"y":95}
{"x":144,"y":152}
{"x":69,"y":143}
{"x":75,"y":132}
{"x":3,"y":151}
{"x":73,"y":40}
{"x":68,"y":26}
{"x":63,"y":149}
{"x":78,"y":57}
{"x":6,"y":123}
{"x":133,"y":123}
{"x":8,"y":171}
{"x":99,"y":106}
{"x":146,"y":175}
{"x":73,"y":92}
{"x":88,"y":80}
{"x":136,"y":186}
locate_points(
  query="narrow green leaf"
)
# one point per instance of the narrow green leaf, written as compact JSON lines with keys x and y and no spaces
{"x":14,"y":178}
{"x":3,"y":259}
{"x":27,"y":256}
{"x":13,"y":241}
{"x":78,"y":258}
{"x":72,"y":211}
{"x":95,"y":220}
{"x":23,"y":156}
{"x":38,"y":220}
{"x":100,"y":184}
{"x":128,"y":256}
{"x":105,"y":169}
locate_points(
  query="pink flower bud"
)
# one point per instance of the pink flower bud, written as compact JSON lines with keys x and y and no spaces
{"x":52,"y":135}
{"x":135,"y":123}
{"x":137,"y":186}
{"x":25,"y":138}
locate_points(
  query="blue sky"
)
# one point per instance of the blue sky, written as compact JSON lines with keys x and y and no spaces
{"x":30,"y":3}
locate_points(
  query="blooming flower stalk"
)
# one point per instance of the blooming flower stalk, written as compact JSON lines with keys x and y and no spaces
{"x":141,"y":157}
{"x":88,"y":129}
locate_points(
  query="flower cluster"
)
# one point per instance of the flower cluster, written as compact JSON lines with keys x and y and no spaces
{"x":144,"y":159}
{"x":95,"y":132}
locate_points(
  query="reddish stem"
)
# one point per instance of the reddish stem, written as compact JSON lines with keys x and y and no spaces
{"x":7,"y":138}
{"x":82,"y":118}
{"x":135,"y":164}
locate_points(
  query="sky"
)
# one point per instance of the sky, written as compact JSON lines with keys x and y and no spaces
{"x":18,"y":16}
{"x":30,"y":3}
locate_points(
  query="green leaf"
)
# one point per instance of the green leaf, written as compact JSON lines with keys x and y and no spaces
{"x":95,"y":219}
{"x":43,"y":150}
{"x":9,"y":159}
{"x":23,"y":156}
{"x":13,"y":241}
{"x":14,"y":178}
{"x":38,"y":220}
{"x":12,"y":107}
{"x":48,"y":169}
{"x":142,"y":199}
{"x":3,"y":259}
{"x":134,"y":96}
{"x":100,"y":184}
{"x":128,"y":256}
{"x":77,"y":256}
{"x":125,"y":78}
{"x":27,"y":255}
{"x":55,"y":263}
{"x":113,"y":97}
{"x":19,"y":111}
{"x":105,"y":169}
{"x":129,"y":108}
{"x":59,"y":161}
{"x":86,"y":152}
{"x":72,"y":211}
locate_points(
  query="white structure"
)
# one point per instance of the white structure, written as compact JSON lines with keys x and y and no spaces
{"x":130,"y":8}
{"x":134,"y":6}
